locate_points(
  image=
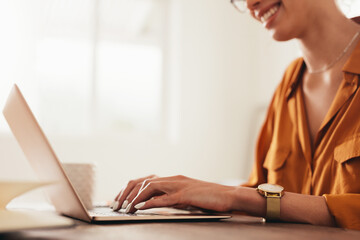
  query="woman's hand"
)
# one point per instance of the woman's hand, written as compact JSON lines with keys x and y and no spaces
{"x":177,"y":191}
{"x":127,"y":194}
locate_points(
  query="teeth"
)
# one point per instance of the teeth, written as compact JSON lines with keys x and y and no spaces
{"x":269,"y":13}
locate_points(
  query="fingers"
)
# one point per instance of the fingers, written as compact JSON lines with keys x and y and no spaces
{"x":162,"y":201}
{"x":119,"y":200}
{"x":132,"y":195}
{"x":129,"y":198}
{"x":151,"y":189}
{"x":136,"y":187}
{"x":132,"y":187}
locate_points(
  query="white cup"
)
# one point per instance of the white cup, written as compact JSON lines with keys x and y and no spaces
{"x":82,"y":177}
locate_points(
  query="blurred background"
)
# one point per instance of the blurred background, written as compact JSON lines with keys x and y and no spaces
{"x":140,"y":87}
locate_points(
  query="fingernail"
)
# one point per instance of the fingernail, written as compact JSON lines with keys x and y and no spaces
{"x":128,"y":208}
{"x":112,"y":204}
{"x":125,"y":204}
{"x":139,"y":205}
{"x":116,"y":206}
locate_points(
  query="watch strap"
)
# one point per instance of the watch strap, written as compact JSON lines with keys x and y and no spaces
{"x":273,"y":208}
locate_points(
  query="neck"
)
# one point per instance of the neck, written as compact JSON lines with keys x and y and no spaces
{"x":327,"y":38}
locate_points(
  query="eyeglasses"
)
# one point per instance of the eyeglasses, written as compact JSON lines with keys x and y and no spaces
{"x":240,"y":5}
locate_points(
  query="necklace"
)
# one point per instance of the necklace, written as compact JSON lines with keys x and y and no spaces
{"x":336,"y":59}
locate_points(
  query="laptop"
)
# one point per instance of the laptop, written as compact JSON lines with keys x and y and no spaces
{"x":62,"y":194}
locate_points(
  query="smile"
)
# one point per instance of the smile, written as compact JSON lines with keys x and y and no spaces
{"x":269,"y":13}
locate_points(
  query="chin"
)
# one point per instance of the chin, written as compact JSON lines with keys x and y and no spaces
{"x":281,"y":36}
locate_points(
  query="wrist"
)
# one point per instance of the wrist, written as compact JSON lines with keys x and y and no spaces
{"x":248,"y":200}
{"x":238,"y":199}
{"x":235,"y":199}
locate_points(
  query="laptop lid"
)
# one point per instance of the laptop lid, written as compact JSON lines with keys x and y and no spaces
{"x":41,"y":156}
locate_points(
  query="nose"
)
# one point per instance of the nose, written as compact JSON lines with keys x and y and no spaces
{"x":252,"y":4}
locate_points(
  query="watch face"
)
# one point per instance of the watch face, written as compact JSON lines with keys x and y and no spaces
{"x":266,"y":187}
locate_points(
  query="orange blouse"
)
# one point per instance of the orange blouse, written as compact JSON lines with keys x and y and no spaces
{"x":284,"y":154}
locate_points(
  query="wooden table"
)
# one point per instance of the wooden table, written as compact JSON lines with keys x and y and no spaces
{"x":239,"y":227}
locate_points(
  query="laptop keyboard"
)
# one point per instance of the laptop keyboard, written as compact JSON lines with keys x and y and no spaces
{"x":107,"y":212}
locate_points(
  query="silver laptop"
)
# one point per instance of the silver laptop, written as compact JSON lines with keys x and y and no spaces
{"x":45,"y":163}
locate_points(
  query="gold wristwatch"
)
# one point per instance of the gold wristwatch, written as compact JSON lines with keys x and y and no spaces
{"x":273,"y":194}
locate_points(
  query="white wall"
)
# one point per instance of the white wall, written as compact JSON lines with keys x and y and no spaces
{"x":223,"y":68}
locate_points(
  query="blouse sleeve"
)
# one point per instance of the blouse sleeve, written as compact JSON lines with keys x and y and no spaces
{"x":345,"y":208}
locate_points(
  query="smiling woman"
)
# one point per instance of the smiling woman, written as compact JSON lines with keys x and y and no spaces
{"x":308,"y":145}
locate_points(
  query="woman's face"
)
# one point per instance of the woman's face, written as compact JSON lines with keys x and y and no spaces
{"x":285,"y":19}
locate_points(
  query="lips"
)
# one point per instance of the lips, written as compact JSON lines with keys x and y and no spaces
{"x":269,"y":13}
{"x":266,"y":14}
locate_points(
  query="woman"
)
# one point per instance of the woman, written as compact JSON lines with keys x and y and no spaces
{"x":310,"y":141}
